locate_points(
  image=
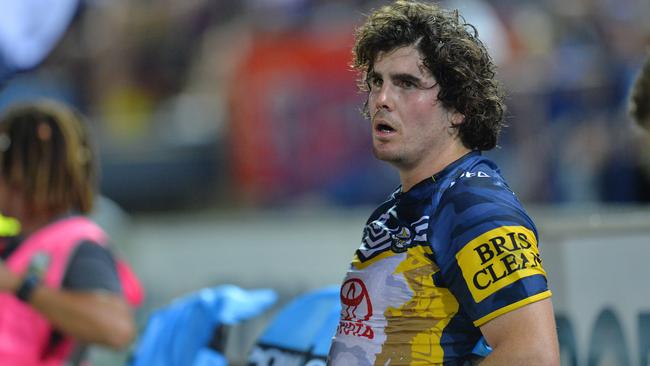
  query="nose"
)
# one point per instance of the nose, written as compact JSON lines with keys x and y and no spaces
{"x":382,"y":98}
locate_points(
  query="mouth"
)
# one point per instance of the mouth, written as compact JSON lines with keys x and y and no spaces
{"x":383,"y":129}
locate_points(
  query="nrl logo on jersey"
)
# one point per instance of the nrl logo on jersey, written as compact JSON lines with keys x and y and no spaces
{"x":388,"y":233}
{"x":401,"y":241}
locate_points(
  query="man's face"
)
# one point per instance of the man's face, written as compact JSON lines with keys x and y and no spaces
{"x":410,"y":127}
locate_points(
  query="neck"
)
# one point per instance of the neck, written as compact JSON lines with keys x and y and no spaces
{"x":431,"y":165}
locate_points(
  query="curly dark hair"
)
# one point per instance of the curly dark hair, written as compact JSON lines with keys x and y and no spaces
{"x":454,"y":55}
{"x":639,"y":107}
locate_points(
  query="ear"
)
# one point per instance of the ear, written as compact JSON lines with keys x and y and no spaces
{"x":456,"y":118}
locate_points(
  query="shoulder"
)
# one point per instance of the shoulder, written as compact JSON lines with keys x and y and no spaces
{"x":91,"y":266}
{"x":477,"y":201}
{"x":481,"y":187}
{"x":89,"y":253}
{"x":91,"y":248}
{"x":480,"y":183}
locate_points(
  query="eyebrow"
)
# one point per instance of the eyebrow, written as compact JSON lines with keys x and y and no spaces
{"x":407,"y":77}
{"x":402,"y":77}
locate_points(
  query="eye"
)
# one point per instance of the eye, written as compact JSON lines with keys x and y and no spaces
{"x":375,"y":82}
{"x":406,"y":84}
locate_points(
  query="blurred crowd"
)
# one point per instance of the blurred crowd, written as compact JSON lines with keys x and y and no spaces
{"x":238,"y":103}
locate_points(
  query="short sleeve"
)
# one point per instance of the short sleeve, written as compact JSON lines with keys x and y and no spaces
{"x":491,"y":260}
{"x":91,"y":267}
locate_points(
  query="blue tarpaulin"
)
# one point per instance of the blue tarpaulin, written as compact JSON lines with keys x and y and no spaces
{"x":179,"y":334}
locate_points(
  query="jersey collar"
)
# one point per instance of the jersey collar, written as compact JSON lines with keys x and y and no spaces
{"x":424,"y":187}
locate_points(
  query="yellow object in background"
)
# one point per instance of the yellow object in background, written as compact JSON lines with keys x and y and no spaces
{"x":9,"y":226}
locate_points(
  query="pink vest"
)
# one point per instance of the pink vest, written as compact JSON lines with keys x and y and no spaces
{"x":24,"y":332}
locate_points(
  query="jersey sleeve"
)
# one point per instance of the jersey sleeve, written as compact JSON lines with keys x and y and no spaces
{"x":91,"y":267}
{"x":491,"y":262}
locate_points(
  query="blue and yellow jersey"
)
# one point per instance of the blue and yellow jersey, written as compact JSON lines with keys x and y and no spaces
{"x":435,"y":263}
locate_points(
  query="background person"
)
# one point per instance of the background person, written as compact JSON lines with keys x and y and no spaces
{"x":60,"y":286}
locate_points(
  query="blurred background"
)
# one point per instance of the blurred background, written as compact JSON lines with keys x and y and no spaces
{"x":251,"y":103}
{"x":230,"y":134}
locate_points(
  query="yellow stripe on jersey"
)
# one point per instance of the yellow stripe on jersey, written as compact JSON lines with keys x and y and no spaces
{"x":414,"y":329}
{"x":498,"y":258}
{"x":358,"y":264}
{"x":511,"y":307}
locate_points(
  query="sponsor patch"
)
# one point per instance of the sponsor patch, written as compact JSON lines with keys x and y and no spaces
{"x":498,"y":258}
{"x":356,"y":309}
